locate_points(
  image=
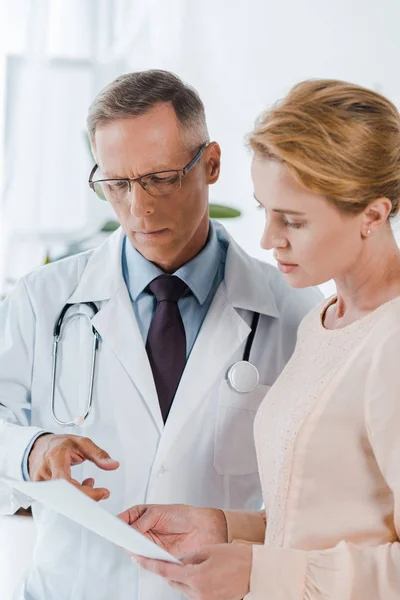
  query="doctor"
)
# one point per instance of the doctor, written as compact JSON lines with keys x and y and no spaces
{"x":165,"y":306}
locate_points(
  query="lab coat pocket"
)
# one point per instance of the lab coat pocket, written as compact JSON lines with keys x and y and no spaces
{"x":234,"y":451}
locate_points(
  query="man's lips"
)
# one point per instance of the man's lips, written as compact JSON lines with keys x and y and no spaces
{"x":154,"y":232}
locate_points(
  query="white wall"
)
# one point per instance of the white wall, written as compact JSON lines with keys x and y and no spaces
{"x":2,"y":123}
{"x":241,"y":55}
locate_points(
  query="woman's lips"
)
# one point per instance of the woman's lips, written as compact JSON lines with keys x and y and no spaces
{"x":286,"y":267}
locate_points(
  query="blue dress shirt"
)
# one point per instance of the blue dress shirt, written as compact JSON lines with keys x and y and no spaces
{"x":203,"y":275}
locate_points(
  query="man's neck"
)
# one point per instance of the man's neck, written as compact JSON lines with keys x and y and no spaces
{"x":192,"y":249}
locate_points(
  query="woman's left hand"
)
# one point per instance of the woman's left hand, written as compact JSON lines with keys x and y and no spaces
{"x":219,"y":572}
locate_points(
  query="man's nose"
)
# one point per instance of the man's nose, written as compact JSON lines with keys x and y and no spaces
{"x":141,"y":203}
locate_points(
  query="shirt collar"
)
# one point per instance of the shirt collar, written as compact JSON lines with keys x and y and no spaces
{"x":198,"y":274}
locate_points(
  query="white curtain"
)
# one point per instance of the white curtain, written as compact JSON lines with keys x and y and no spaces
{"x":51,"y":69}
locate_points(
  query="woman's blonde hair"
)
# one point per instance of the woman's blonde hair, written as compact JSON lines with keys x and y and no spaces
{"x":338,"y":139}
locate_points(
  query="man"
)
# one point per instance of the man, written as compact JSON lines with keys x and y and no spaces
{"x":173,"y":304}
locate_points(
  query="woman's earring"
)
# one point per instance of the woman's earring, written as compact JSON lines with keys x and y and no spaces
{"x":368,"y":232}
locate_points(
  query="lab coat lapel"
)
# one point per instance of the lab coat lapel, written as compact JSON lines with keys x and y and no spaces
{"x":119,"y":329}
{"x":222,"y":333}
{"x":102,"y":282}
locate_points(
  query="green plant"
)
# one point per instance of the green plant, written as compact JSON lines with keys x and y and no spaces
{"x":219,"y":211}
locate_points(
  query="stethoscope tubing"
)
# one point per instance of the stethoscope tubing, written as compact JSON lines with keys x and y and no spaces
{"x":57,"y":333}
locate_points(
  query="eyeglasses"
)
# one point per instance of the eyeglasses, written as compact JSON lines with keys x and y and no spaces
{"x":160,"y":183}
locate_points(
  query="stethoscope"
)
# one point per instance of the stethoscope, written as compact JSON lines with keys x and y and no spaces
{"x":243,"y":377}
{"x":95,"y":346}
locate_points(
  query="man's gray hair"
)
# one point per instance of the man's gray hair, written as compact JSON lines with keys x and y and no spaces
{"x":134,"y":94}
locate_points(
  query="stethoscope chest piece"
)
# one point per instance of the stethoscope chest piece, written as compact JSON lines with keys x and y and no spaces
{"x":243,"y":377}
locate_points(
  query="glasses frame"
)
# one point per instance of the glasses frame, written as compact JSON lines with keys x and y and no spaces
{"x":182,"y":173}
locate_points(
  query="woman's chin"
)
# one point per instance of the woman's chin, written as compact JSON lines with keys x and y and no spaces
{"x":298,"y":279}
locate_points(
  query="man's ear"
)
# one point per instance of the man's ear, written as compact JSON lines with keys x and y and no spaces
{"x":213,"y":162}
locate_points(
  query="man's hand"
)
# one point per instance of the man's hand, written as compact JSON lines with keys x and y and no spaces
{"x":52,"y":457}
{"x":178,"y":528}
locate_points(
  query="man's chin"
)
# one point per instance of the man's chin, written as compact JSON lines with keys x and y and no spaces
{"x":150,"y":242}
{"x":157,"y":251}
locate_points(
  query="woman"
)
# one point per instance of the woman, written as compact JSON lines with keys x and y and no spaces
{"x":326,"y":171}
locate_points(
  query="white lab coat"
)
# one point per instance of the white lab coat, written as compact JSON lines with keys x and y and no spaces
{"x":204,"y":455}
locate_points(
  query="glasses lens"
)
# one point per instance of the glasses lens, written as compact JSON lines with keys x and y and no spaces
{"x":99,"y":190}
{"x":162,"y":184}
{"x":112,"y":189}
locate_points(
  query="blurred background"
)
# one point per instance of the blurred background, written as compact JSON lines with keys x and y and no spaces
{"x":241,"y":55}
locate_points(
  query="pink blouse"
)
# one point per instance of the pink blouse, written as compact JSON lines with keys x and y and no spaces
{"x":328,"y":444}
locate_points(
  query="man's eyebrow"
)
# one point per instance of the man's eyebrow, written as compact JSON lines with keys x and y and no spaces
{"x":281,"y":210}
{"x":159,"y":169}
{"x":112,"y":176}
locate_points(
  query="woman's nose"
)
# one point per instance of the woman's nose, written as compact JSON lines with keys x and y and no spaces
{"x":272,"y":238}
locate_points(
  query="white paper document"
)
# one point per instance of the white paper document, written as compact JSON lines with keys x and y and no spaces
{"x":62,"y":497}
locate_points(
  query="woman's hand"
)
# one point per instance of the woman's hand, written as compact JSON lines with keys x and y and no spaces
{"x":214,"y":573}
{"x":178,"y":528}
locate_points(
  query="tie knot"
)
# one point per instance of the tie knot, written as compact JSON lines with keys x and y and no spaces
{"x":167,"y":288}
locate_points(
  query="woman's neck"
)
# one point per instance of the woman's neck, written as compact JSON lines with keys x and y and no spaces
{"x":373,"y":281}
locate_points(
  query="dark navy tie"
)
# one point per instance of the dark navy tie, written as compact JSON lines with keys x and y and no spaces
{"x":166,"y":340}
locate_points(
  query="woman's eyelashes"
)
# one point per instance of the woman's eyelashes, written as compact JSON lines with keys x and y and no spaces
{"x":294,"y":225}
{"x":283,"y":219}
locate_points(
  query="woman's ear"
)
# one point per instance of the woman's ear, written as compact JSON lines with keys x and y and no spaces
{"x":375,"y":215}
